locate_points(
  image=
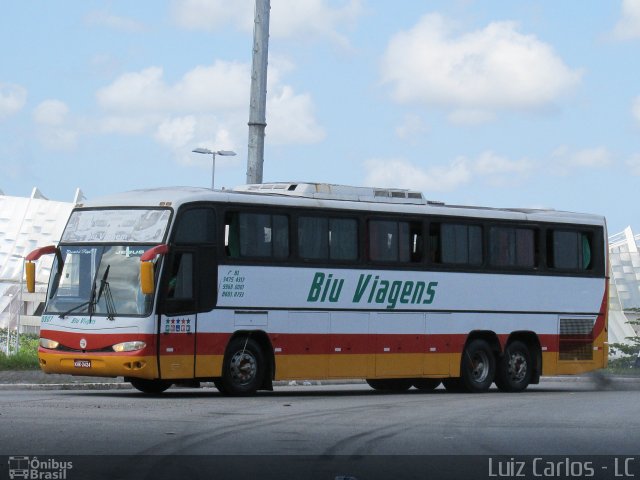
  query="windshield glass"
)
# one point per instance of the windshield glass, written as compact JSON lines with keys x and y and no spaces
{"x":100,"y":279}
{"x":117,"y":225}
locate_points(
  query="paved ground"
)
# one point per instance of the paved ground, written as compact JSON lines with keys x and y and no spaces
{"x":29,"y":379}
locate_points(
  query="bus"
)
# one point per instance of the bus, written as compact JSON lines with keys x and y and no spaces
{"x":310,"y":281}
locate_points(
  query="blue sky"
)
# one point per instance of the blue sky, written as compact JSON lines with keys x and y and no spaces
{"x":505,"y":104}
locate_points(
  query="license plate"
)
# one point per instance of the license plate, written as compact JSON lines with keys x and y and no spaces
{"x":82,"y":363}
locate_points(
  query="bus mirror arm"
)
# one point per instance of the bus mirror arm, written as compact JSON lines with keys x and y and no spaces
{"x":30,"y":266}
{"x":147,"y":274}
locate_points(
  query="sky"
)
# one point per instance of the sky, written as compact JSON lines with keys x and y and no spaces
{"x":505,"y":104}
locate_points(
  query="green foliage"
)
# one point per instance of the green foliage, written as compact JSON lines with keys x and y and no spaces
{"x":26,"y":358}
{"x":629,"y":351}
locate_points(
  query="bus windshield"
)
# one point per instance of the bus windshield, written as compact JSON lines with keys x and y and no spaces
{"x":98,"y":280}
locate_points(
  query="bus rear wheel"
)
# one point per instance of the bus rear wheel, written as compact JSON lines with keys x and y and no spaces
{"x":514,"y":368}
{"x":478,"y":366}
{"x":390,"y":385}
{"x":243,"y":368}
{"x":151,"y":387}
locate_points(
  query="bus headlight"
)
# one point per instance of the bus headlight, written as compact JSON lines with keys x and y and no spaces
{"x":50,"y":344}
{"x":129,"y":346}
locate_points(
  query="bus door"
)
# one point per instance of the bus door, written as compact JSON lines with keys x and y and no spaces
{"x":188,"y":291}
{"x":178,"y":320}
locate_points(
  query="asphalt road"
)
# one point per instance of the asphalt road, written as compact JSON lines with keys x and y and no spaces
{"x":575,"y":418}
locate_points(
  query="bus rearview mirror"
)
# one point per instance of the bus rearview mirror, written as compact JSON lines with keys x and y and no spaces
{"x":147,"y":284}
{"x":30,"y":272}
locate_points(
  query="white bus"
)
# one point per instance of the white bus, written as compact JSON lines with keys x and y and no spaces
{"x":294,"y":281}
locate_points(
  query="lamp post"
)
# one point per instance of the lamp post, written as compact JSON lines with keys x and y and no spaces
{"x":206,"y":151}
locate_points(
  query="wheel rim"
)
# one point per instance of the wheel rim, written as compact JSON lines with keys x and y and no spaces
{"x":243,"y":367}
{"x":480,"y":367}
{"x":517,"y":369}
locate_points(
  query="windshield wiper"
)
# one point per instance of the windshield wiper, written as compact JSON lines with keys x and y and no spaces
{"x":91,"y":303}
{"x":108,"y":298}
{"x":73,"y":309}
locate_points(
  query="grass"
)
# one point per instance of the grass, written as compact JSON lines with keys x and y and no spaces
{"x":25,"y":359}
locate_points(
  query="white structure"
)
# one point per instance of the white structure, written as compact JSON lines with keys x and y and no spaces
{"x":624,"y":291}
{"x":25,"y":224}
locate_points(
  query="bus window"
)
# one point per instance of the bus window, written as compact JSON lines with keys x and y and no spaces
{"x":512,"y":247}
{"x":391,"y":241}
{"x":196,"y":226}
{"x":322,"y":238}
{"x":569,"y":250}
{"x":256,"y":235}
{"x":456,"y":244}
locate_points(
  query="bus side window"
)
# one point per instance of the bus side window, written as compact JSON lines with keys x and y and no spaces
{"x":391,"y":241}
{"x":256,"y":235}
{"x":181,"y":281}
{"x":587,"y":262}
{"x":460,"y":244}
{"x":570,"y":250}
{"x":232,"y":235}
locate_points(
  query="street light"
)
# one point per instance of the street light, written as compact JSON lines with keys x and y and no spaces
{"x":206,"y":151}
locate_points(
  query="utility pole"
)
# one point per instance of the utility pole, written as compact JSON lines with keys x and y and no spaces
{"x":258,"y":101}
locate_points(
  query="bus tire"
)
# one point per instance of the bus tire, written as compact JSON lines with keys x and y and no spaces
{"x":243,"y":367}
{"x":514,"y":368}
{"x":390,"y":385}
{"x":151,"y":387}
{"x":478,"y":366}
{"x":427,"y":384}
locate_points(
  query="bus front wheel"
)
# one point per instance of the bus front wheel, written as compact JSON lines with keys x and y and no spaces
{"x":152,"y":387}
{"x":243,"y":368}
{"x":514,"y":368}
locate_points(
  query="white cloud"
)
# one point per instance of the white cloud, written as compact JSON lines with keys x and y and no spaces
{"x":288,"y":18}
{"x":211,"y":14}
{"x":500,"y":171}
{"x":51,"y":112}
{"x":475,"y":73}
{"x":403,"y":174}
{"x":634,"y":164}
{"x":488,"y":167}
{"x":53,"y":130}
{"x":566,"y":160}
{"x":223,"y":85}
{"x":290,"y":118}
{"x":628,"y":27}
{"x":177,"y":132}
{"x":204,"y":103}
{"x":12,"y":99}
{"x":105,"y":19}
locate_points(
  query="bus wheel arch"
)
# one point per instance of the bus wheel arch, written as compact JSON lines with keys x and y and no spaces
{"x":520,"y":364}
{"x":247,"y":365}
